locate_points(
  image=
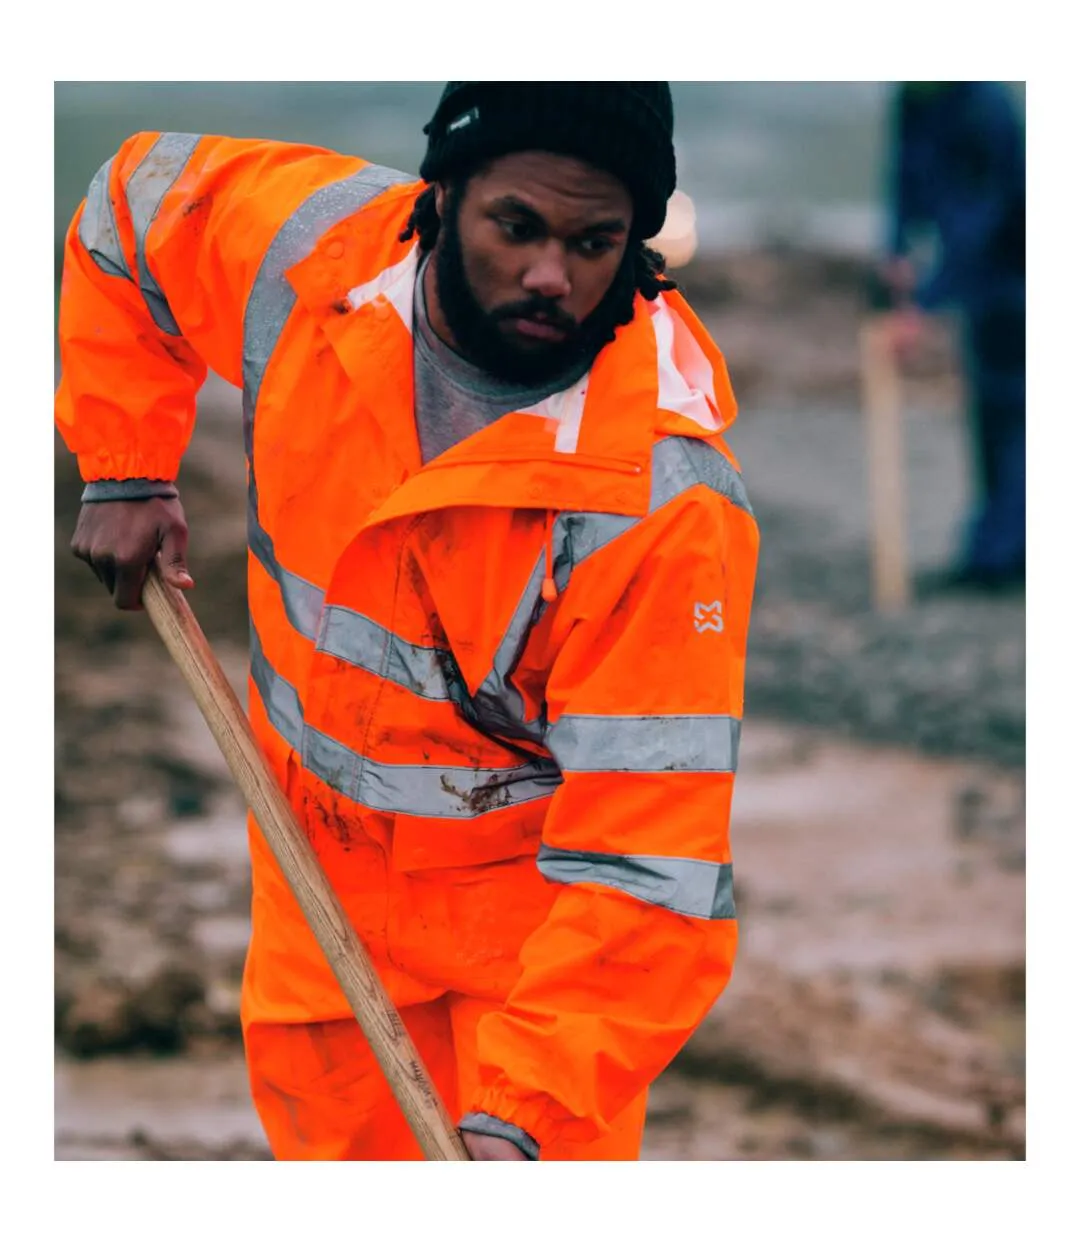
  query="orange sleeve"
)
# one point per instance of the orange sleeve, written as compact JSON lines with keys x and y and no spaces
{"x":158,"y":264}
{"x":645,"y":703}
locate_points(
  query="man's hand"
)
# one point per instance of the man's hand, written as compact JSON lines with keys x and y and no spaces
{"x":119,"y":540}
{"x":484,"y":1147}
{"x":906,"y":333}
{"x":900,"y":277}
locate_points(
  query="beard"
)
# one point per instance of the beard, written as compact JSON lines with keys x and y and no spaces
{"x":481,"y":338}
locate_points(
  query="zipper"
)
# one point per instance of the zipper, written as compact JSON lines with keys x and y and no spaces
{"x":620,"y":466}
{"x":614,"y":464}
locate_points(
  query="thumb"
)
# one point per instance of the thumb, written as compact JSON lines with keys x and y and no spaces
{"x":173,"y":558}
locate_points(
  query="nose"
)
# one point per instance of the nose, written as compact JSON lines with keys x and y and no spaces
{"x":548,"y":274}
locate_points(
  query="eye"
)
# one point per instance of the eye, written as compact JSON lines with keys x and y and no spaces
{"x":518,"y":230}
{"x":594,"y":247}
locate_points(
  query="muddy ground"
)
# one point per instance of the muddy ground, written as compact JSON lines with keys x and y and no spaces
{"x":877,"y":1009}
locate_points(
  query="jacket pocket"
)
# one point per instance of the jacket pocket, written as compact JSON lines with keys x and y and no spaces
{"x":423,"y":844}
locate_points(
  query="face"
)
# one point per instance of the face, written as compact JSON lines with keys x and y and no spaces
{"x":532,"y":265}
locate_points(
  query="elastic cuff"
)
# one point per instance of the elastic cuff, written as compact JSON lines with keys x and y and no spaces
{"x":494,"y":1127}
{"x":128,"y":489}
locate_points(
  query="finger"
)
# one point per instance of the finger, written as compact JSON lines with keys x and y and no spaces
{"x":84,"y":556}
{"x":173,"y":558}
{"x":128,"y":586}
{"x":104,"y":566}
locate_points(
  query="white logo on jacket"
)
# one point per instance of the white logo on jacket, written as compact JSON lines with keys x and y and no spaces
{"x":707,"y":617}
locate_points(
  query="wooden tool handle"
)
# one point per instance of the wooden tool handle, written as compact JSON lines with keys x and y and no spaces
{"x":882,"y":406}
{"x":379,"y":1020}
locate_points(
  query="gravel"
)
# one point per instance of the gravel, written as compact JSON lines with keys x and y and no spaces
{"x":945,"y":676}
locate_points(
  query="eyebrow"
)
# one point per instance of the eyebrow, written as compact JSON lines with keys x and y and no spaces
{"x":510,"y":203}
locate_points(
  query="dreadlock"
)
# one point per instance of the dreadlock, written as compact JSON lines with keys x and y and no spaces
{"x":649,"y":264}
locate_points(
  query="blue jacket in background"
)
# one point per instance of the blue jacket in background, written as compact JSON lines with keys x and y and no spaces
{"x":959,"y":168}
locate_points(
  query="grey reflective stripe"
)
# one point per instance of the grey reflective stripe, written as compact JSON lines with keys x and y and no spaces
{"x":582,"y":534}
{"x":272,"y":297}
{"x":282,"y":703}
{"x":499,"y":707}
{"x":413,"y":789}
{"x":268,"y":307}
{"x":302,"y":600}
{"x":334,"y":764}
{"x":645,"y":743}
{"x":405,"y":789}
{"x":357,"y":639}
{"x":495,"y":1127}
{"x":678,"y":464}
{"x":146,"y":187}
{"x":97,"y":227}
{"x":689,"y":886}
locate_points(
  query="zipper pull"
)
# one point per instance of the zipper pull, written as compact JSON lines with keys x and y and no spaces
{"x":549,"y":591}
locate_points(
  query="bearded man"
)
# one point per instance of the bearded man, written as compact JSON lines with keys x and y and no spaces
{"x":501,"y":563}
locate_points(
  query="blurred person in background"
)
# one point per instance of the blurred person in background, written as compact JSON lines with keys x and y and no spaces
{"x":958,"y":171}
{"x":500,"y":575}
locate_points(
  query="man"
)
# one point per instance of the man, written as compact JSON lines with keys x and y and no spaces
{"x":959,"y":171}
{"x":500,"y":574}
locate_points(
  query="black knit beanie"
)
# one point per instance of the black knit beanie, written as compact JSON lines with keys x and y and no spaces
{"x":624,"y":128}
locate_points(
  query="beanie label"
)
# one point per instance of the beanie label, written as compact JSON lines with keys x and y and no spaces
{"x":466,"y":118}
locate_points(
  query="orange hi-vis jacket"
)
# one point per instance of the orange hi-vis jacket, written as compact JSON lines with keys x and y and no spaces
{"x":502,"y":690}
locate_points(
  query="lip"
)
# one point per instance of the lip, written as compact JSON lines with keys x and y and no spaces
{"x":538,"y":330}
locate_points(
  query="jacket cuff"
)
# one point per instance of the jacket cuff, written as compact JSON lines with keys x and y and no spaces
{"x":532,"y":1112}
{"x":493,"y":1127}
{"x":128,"y":489}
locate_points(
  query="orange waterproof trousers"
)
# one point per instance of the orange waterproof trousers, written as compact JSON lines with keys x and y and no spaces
{"x":321,"y":1095}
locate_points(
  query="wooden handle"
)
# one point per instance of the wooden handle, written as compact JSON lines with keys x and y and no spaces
{"x":379,"y":1020}
{"x":885,"y":463}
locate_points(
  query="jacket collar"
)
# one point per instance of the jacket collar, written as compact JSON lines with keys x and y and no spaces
{"x":585,"y":448}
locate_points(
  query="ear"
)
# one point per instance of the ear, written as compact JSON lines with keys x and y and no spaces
{"x":440,"y":199}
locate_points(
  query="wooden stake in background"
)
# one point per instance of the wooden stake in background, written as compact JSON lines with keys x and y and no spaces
{"x":379,"y":1020}
{"x":886,"y":473}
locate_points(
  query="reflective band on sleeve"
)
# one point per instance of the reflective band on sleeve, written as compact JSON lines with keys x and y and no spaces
{"x":146,"y":187}
{"x":680,"y":463}
{"x":97,"y":227}
{"x":360,"y":641}
{"x":645,"y":743}
{"x":688,"y":886}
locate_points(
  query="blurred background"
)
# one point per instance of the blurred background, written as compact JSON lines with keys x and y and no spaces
{"x":877,"y":1008}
